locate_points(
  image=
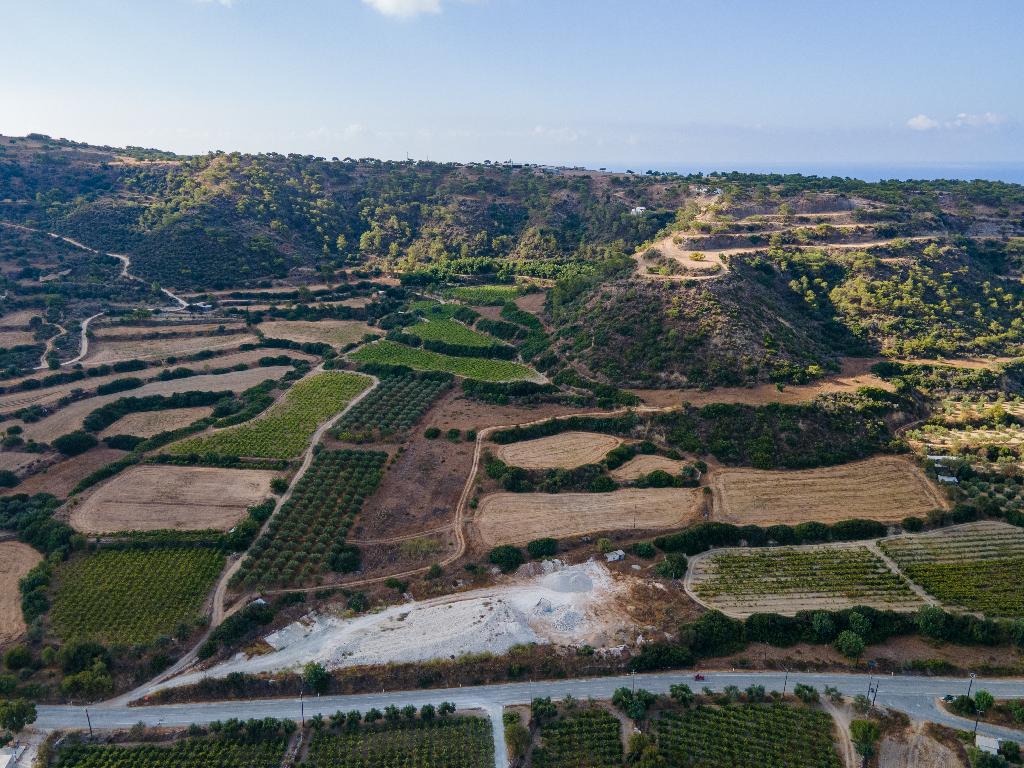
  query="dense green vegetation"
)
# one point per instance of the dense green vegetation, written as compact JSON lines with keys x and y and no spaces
{"x":307,"y":536}
{"x":126,"y":596}
{"x":285,"y":430}
{"x":395,"y":405}
{"x":391,"y":353}
{"x":451,"y":332}
{"x":484,"y":294}
{"x":586,"y":737}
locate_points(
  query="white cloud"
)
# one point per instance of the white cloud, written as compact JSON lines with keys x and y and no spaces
{"x":404,"y":9}
{"x":985,"y":119}
{"x":225,"y":3}
{"x":922,"y":123}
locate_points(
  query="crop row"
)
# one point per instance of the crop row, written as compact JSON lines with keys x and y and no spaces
{"x":747,"y":736}
{"x":984,"y":541}
{"x":193,"y":753}
{"x":395,"y":405}
{"x":307,"y":536}
{"x":284,"y":431}
{"x":484,"y":294}
{"x":130,"y":596}
{"x":451,"y":332}
{"x":588,"y":738}
{"x":991,"y":587}
{"x":462,"y":742}
{"x":392,"y":353}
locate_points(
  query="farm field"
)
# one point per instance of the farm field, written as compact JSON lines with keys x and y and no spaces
{"x":785,"y":580}
{"x":125,"y":332}
{"x":516,"y":518}
{"x":132,"y":596}
{"x":974,"y":567}
{"x":16,"y":559}
{"x":149,"y":423}
{"x":968,"y":409}
{"x":1003,"y":492}
{"x":338,"y":333}
{"x":189,"y":753}
{"x":395,"y":405}
{"x":566,"y":450}
{"x":747,"y":736}
{"x":16,"y":460}
{"x":884,"y":488}
{"x":458,"y":742}
{"x":483,"y":294}
{"x":285,"y":429}
{"x":588,"y":737}
{"x":152,"y":497}
{"x":101,"y":351}
{"x":451,"y":332}
{"x":307,"y":535}
{"x":392,"y":353}
{"x":19,"y":318}
{"x":70,"y":418}
{"x":16,"y":338}
{"x":644,"y":464}
{"x":59,"y":479}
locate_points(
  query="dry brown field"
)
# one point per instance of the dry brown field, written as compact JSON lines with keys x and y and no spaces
{"x":101,"y":351}
{"x":335,"y":332}
{"x":166,"y":329}
{"x":516,"y":518}
{"x":16,"y":338}
{"x":644,"y":464}
{"x":149,"y":423}
{"x":60,"y":478}
{"x":16,"y":559}
{"x":884,"y":488}
{"x":70,"y":418}
{"x":19,"y":318}
{"x":16,"y":460}
{"x":566,"y":450}
{"x":154,"y":497}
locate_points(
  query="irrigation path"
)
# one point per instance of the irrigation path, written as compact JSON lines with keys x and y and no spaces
{"x":918,"y":697}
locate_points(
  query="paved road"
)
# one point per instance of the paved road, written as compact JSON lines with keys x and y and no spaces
{"x":917,"y":696}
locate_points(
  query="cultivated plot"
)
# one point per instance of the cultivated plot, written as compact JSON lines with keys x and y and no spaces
{"x":111,"y":351}
{"x":644,"y":464}
{"x":462,"y":742}
{"x":16,"y":559}
{"x":516,"y":518}
{"x":785,"y":580}
{"x":884,"y":488}
{"x":953,"y":439}
{"x":484,"y":369}
{"x":154,"y":497}
{"x":149,"y":423}
{"x":566,"y":450}
{"x":337,"y":333}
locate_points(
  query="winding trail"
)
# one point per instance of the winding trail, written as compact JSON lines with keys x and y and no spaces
{"x":49,"y":348}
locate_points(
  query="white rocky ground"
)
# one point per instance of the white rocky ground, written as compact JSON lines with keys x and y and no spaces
{"x":562,"y":605}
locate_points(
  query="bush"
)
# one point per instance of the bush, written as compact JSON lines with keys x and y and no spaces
{"x":8,"y":479}
{"x":540,"y":548}
{"x":850,"y":644}
{"x":506,"y":557}
{"x":17,"y":658}
{"x":432,"y":433}
{"x":672,"y":567}
{"x":74,"y":443}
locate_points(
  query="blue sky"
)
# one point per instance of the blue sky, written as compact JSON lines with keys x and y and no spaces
{"x":646,"y":83}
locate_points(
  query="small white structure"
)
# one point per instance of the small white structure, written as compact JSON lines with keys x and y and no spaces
{"x":614,"y":557}
{"x":987,"y":744}
{"x":639,"y":210}
{"x":947,"y":479}
{"x":7,"y":757}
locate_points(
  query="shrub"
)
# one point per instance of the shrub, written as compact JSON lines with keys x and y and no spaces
{"x":850,"y":644}
{"x":506,"y":557}
{"x":432,"y":433}
{"x":539,"y":548}
{"x":74,"y":443}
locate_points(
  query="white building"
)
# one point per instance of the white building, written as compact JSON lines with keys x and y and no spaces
{"x":614,"y":557}
{"x":640,"y":210}
{"x":947,"y":479}
{"x":987,"y":744}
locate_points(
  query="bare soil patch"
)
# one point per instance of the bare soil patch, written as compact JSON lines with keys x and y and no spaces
{"x":126,"y":332}
{"x":18,"y":319}
{"x":338,"y":333}
{"x":516,"y":518}
{"x":60,"y":478}
{"x":644,"y":464}
{"x":16,"y":338}
{"x":149,"y":423}
{"x":532,"y":302}
{"x":15,"y":461}
{"x":16,"y":559}
{"x":915,"y":748}
{"x":454,"y":410}
{"x":102,"y":351}
{"x":689,"y":264}
{"x":70,"y":418}
{"x":155,"y":497}
{"x":885,"y":488}
{"x":567,"y":450}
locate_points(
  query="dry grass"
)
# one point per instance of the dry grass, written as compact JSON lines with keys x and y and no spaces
{"x":149,"y":423}
{"x":338,"y":333}
{"x":165,"y":329}
{"x":885,"y":488}
{"x":516,"y":518}
{"x":70,"y":418}
{"x":101,"y":351}
{"x":17,"y":460}
{"x":16,"y":559}
{"x":16,"y":338}
{"x":58,"y":479}
{"x":644,"y":464}
{"x":155,"y":497}
{"x":567,"y":450}
{"x":19,"y":318}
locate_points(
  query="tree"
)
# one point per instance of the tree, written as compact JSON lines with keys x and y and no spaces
{"x":542,"y":710}
{"x":16,"y":714}
{"x":74,"y":443}
{"x":506,"y":557}
{"x":633,"y":703}
{"x":932,"y":622}
{"x":428,"y":712}
{"x":850,"y":644}
{"x":983,"y":701}
{"x":864,"y":734}
{"x":316,"y":677}
{"x":540,"y":548}
{"x":681,"y":694}
{"x":823,"y":627}
{"x":808,"y":694}
{"x":445,"y":708}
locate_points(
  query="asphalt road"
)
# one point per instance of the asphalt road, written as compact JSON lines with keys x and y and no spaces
{"x":916,"y":696}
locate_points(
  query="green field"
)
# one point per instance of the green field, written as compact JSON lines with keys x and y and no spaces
{"x":132,"y":597}
{"x":586,"y":738}
{"x":484,"y":294}
{"x":284,"y":431}
{"x":451,"y":332}
{"x":747,"y":736}
{"x":392,"y":353}
{"x":395,"y":405}
{"x":460,"y":742}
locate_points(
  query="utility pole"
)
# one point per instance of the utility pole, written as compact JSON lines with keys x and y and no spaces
{"x":89,"y":721}
{"x":633,"y":677}
{"x":874,"y":695}
{"x":302,"y":710}
{"x":969,"y":684}
{"x":785,"y":683}
{"x":870,"y":679}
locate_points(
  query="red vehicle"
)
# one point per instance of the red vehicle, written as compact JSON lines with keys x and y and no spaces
{"x":699,"y":678}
